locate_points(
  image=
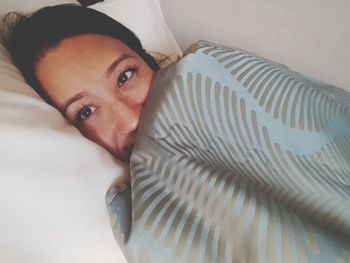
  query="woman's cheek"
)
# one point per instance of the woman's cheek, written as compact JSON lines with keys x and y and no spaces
{"x":90,"y":129}
{"x":145,"y":84}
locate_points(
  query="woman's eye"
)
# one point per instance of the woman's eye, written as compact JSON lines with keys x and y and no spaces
{"x":125,"y":76}
{"x":85,"y":113}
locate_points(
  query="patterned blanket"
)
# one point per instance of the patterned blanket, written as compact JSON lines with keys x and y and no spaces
{"x":238,"y":159}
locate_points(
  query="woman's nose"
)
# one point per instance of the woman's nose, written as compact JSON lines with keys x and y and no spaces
{"x":128,"y":118}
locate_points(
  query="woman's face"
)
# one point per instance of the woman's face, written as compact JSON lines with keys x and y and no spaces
{"x":100,"y":85}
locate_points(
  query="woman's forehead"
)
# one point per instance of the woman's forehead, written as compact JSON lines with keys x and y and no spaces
{"x":93,"y":41}
{"x":89,"y":45}
{"x":78,"y":61}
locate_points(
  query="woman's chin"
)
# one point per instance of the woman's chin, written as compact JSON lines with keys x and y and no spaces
{"x":125,"y":155}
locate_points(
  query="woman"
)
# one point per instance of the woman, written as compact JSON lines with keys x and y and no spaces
{"x":232,"y":164}
{"x":90,"y":67}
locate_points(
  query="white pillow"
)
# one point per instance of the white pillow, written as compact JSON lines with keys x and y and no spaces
{"x":145,"y":18}
{"x":52,"y":179}
{"x":52,"y":182}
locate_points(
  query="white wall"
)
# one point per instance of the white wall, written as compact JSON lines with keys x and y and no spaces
{"x":310,"y":36}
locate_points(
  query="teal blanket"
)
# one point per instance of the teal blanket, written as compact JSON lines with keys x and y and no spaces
{"x":238,"y":159}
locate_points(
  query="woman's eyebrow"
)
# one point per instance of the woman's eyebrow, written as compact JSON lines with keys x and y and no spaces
{"x":68,"y":102}
{"x":115,"y":64}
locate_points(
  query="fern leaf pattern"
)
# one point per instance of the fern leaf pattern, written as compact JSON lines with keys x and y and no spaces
{"x":240,"y":159}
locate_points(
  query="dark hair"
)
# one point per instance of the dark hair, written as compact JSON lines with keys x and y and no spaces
{"x":33,"y":35}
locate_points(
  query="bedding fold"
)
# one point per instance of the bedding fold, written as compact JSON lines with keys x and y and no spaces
{"x":238,"y":159}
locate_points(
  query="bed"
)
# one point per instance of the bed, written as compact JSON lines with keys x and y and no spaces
{"x":53,"y":211}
